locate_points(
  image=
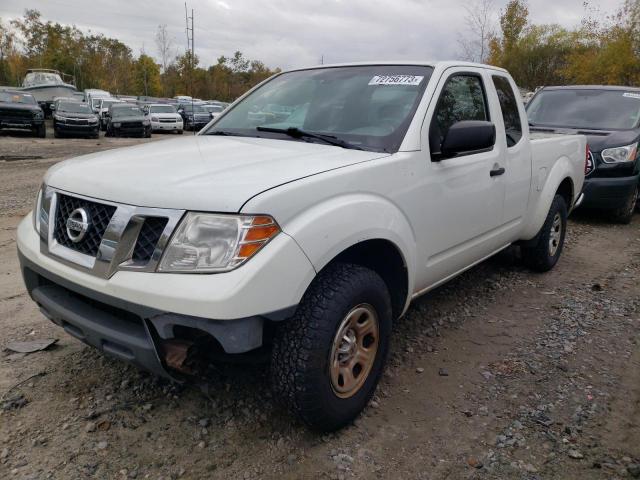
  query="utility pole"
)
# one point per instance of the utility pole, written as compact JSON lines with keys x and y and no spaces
{"x":190,"y":49}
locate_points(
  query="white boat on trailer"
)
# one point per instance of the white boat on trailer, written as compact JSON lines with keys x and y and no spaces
{"x":46,"y":84}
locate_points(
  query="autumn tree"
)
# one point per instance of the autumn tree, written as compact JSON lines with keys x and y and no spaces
{"x":147,"y":76}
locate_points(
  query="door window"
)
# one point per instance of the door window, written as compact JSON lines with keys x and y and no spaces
{"x":462,"y":98}
{"x":509,"y":108}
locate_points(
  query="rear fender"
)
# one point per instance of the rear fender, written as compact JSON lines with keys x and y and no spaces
{"x":544,"y":186}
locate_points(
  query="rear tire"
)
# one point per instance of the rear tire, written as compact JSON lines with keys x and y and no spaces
{"x":327,"y":359}
{"x":625,"y":213}
{"x":544,"y":253}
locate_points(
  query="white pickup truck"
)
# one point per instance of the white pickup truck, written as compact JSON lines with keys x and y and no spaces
{"x":306,"y":229}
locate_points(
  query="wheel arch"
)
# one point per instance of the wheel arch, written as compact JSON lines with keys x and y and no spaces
{"x":558,"y":181}
{"x":385,"y":258}
{"x":364,"y":229}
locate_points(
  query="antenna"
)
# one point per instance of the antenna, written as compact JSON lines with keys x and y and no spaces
{"x":190,"y":50}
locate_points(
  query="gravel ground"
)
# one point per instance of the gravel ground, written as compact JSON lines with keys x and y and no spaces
{"x":501,"y":374}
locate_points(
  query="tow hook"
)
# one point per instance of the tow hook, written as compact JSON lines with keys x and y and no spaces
{"x":178,"y":354}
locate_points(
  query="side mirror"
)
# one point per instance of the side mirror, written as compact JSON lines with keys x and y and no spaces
{"x":468,"y":136}
{"x":53,"y":107}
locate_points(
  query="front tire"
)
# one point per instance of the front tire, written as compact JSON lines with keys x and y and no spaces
{"x":625,"y":213}
{"x":544,"y":253}
{"x":327,"y":359}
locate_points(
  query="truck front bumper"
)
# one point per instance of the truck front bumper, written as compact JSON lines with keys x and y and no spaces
{"x":129,"y":314}
{"x":608,"y":192}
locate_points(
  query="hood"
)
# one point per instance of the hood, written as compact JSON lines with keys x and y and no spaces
{"x":20,"y":106}
{"x":129,"y":118}
{"x":174,"y":116}
{"x":76,"y":115}
{"x":604,"y":139}
{"x":207,"y":173}
{"x":598,"y":140}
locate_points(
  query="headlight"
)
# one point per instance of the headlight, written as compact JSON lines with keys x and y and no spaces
{"x":117,"y":125}
{"x":59,"y":118}
{"x":155,"y":119}
{"x":39,"y":114}
{"x":620,"y":154}
{"x":93,"y":120}
{"x":36,"y":211}
{"x":206,"y":242}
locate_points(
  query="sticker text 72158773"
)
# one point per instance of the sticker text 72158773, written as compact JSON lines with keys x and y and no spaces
{"x":396,"y":80}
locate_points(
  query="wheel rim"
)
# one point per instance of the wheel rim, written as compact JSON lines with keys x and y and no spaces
{"x":354,"y":350}
{"x":555,"y":235}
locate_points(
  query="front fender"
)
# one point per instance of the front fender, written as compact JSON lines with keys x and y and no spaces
{"x":332,"y":226}
{"x":544,"y":188}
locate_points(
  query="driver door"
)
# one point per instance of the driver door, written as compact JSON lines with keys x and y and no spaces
{"x":464,"y":194}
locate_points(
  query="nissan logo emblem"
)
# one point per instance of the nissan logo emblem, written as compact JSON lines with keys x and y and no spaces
{"x":77,"y":225}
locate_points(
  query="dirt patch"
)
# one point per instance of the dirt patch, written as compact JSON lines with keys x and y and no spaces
{"x":499,"y":374}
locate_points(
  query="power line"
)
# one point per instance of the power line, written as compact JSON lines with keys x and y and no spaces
{"x":191,"y":54}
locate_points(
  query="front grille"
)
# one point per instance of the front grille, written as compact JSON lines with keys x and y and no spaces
{"x":99,"y":216}
{"x":168,"y":120}
{"x":148,"y":238}
{"x":77,"y":121}
{"x":16,"y":113}
{"x":131,"y":125}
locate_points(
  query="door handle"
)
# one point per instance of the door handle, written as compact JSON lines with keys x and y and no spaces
{"x":497,"y":172}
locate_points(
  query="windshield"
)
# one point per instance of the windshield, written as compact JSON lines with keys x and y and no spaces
{"x":15,"y":97}
{"x":586,"y":108}
{"x":213,"y":108}
{"x":73,"y":107}
{"x":366,"y":106}
{"x":193,"y":108}
{"x":162,"y":109}
{"x":126,"y":111}
{"x":41,"y":78}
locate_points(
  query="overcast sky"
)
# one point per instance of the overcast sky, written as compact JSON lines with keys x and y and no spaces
{"x":292,"y":33}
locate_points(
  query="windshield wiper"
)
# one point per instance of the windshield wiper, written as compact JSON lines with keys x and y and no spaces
{"x":225,"y":133}
{"x":297,"y":133}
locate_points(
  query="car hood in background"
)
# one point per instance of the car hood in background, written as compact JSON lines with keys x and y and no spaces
{"x":598,"y":140}
{"x":134,"y":118}
{"x":173,"y":116}
{"x":82,"y":116}
{"x":207,"y":173}
{"x":20,"y":106}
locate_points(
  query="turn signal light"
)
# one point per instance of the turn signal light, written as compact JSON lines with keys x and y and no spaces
{"x":256,"y":235}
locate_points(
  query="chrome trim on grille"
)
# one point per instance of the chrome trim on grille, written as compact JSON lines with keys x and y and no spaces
{"x":118,"y":242}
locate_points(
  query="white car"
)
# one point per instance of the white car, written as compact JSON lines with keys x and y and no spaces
{"x":310,"y":234}
{"x":165,"y":118}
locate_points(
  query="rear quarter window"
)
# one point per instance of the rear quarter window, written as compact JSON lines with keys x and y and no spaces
{"x":509,"y":108}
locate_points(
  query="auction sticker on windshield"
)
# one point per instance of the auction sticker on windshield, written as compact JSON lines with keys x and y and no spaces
{"x":396,"y":80}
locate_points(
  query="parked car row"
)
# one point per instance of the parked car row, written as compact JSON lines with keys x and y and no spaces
{"x":72,"y":117}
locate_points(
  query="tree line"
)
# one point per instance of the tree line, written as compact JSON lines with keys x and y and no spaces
{"x":97,"y":61}
{"x":602,"y":49}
